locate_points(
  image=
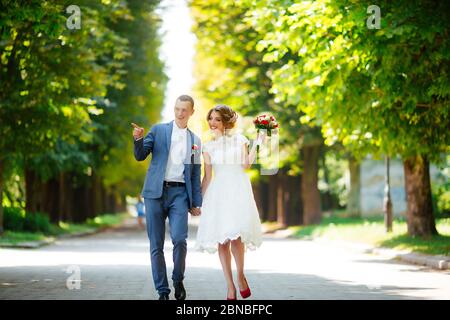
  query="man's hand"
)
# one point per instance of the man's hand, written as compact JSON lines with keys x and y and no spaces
{"x":138,"y":132}
{"x":195,"y":211}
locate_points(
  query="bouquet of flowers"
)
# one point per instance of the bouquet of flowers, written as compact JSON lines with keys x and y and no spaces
{"x":267,"y":122}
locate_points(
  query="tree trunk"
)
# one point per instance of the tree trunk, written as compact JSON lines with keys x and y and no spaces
{"x":29,"y":204}
{"x":39,"y":195}
{"x":123,"y":203}
{"x":32,"y":191}
{"x":51,"y":200}
{"x":105,"y":196}
{"x":354,"y":195}
{"x":293,"y":202}
{"x":63,"y":214}
{"x":272,"y":212}
{"x":312,"y":212}
{"x":96,"y":196}
{"x":1,"y":196}
{"x":264,"y":199}
{"x":81,"y":205}
{"x":420,"y":218}
{"x":256,"y":188}
{"x":70,"y":195}
{"x":281,"y":207}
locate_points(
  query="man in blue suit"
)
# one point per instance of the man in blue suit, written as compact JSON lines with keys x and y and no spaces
{"x":172,"y":188}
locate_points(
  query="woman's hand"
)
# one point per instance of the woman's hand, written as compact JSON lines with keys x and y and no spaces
{"x":261,"y":138}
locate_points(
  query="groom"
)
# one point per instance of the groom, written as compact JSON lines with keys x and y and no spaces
{"x":171,"y":189}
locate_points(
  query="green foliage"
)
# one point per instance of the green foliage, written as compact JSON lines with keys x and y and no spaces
{"x":52,"y":73}
{"x":106,"y":220}
{"x":133,"y":93}
{"x":15,"y":219}
{"x":16,"y":237}
{"x":372,"y":231}
{"x":384,"y":91}
{"x":437,"y":244}
{"x":443,"y":202}
{"x":140,"y":101}
{"x":227,"y":61}
{"x":70,"y":228}
{"x":378,"y":92}
{"x":67,"y":97}
{"x":11,"y":237}
{"x":441,"y":199}
{"x":230,"y":70}
{"x":441,"y":190}
{"x":36,"y":222}
{"x":336,"y":181}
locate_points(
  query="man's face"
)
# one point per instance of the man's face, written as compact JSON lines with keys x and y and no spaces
{"x":183,"y":111}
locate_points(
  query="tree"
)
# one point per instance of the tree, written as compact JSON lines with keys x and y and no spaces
{"x":44,"y":81}
{"x":140,"y":100}
{"x":62,"y":108}
{"x":230,"y":70}
{"x":378,"y":91}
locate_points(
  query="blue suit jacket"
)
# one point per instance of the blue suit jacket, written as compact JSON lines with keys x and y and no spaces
{"x":157,"y":142}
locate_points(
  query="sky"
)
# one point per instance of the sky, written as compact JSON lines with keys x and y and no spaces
{"x":177,"y":52}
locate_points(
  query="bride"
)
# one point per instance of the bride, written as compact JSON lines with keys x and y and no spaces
{"x":229,"y":221}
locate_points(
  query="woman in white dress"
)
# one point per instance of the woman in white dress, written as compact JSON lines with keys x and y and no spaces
{"x":229,"y":221}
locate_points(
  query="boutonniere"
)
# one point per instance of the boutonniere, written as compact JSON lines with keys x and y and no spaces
{"x":194,"y":149}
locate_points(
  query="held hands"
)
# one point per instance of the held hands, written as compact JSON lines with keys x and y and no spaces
{"x":138,"y":132}
{"x":195,"y":211}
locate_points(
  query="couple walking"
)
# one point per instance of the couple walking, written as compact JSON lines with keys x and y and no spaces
{"x":229,"y":220}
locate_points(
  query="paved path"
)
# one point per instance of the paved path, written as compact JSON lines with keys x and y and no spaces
{"x":116,"y":265}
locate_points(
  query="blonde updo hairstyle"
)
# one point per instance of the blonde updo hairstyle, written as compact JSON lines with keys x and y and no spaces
{"x":227,"y":115}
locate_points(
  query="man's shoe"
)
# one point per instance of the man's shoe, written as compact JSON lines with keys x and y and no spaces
{"x":180,"y":292}
{"x":164,"y":296}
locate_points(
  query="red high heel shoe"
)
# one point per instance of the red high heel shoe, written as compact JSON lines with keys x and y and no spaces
{"x":246,"y":293}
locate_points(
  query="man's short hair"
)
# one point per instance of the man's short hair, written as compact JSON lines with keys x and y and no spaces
{"x":185,"y":97}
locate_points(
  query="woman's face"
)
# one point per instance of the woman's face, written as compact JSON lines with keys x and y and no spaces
{"x":215,"y":122}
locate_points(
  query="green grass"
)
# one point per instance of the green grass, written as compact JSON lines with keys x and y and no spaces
{"x":372,"y":231}
{"x":64,"y":228}
{"x":71,"y":228}
{"x":269,"y":227}
{"x":15,"y":237}
{"x":107,"y":220}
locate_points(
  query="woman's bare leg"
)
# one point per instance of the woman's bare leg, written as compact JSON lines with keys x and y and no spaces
{"x":225,"y":260}
{"x":238,"y":250}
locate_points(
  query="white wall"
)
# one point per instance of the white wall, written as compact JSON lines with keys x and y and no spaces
{"x":372,"y":186}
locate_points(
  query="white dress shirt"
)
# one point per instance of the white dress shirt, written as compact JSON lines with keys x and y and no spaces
{"x":177,"y":155}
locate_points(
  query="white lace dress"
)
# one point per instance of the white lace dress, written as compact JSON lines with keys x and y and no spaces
{"x":229,"y":210}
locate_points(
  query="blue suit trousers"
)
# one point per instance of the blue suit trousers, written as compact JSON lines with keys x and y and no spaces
{"x":173,"y":204}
